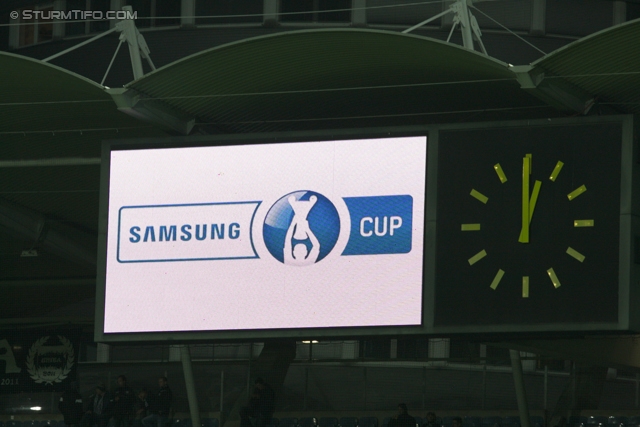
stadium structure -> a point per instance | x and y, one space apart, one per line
224 70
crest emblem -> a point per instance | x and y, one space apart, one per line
50 362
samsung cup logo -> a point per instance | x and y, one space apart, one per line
301 228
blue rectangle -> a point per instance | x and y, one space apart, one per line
380 225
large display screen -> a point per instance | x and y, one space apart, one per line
325 234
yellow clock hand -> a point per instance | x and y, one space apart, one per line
524 233
532 206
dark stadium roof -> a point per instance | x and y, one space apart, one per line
332 78
605 64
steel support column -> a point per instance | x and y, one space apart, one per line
130 34
185 356
538 18
358 13
518 379
221 396
58 27
271 13
188 13
619 12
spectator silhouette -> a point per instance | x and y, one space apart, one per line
70 405
431 420
261 406
402 419
123 401
98 410
142 405
159 405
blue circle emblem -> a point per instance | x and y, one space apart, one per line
301 228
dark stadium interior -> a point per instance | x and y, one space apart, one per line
230 69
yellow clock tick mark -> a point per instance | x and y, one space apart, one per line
478 195
577 255
477 257
525 286
500 172
583 223
470 227
575 193
554 278
496 280
556 171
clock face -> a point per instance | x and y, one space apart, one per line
528 225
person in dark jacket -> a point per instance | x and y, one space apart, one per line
70 406
142 405
431 420
159 405
98 411
261 405
403 419
123 401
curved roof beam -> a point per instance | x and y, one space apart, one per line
298 36
603 67
307 78
37 96
24 79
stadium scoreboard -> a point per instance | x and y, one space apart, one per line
477 228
